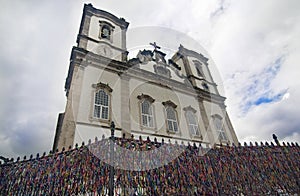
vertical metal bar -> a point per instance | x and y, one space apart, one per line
111 167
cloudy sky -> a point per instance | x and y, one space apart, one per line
255 45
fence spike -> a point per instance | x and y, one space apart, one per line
256 144
288 144
89 142
261 144
82 144
194 146
267 144
38 155
18 159
245 144
24 158
283 143
70 147
251 144
63 149
272 144
76 145
96 139
103 137
44 154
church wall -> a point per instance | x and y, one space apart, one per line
111 49
85 132
93 75
182 100
150 68
215 109
207 76
181 65
94 31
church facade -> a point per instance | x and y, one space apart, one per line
148 95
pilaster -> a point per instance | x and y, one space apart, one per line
125 113
205 118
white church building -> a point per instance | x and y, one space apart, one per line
149 95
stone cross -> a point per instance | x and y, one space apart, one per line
154 45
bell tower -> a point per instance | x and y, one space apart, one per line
102 33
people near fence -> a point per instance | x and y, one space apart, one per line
145 167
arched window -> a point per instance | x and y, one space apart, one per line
147 114
101 105
218 122
192 123
172 124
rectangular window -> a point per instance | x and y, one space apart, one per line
172 124
101 108
147 114
192 123
220 130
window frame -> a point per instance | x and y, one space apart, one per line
221 133
110 27
192 111
108 91
142 98
173 106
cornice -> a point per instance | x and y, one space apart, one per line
186 52
90 10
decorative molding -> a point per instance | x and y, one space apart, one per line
145 56
186 52
90 10
143 96
162 71
217 116
101 85
169 103
189 108
171 62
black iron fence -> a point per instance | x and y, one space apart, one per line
264 169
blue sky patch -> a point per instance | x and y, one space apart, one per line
259 91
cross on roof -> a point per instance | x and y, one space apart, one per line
154 45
